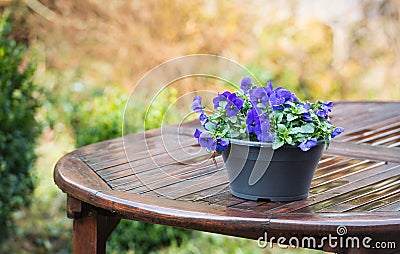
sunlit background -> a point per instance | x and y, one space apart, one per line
90 54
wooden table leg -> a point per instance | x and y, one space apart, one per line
91 227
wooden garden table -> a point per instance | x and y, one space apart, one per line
162 176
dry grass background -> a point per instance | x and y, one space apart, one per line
301 44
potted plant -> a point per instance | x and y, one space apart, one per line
270 140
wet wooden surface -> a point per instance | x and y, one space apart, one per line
163 176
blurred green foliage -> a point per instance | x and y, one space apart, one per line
145 238
99 117
18 128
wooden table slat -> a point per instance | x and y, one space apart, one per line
165 180
393 206
374 203
343 173
355 194
145 156
346 179
140 151
341 168
163 176
332 193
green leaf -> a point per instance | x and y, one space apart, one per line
277 144
291 117
307 128
233 119
216 114
278 117
301 110
282 128
289 140
225 129
295 130
210 126
234 133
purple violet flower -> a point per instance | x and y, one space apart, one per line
234 105
197 133
270 88
252 120
328 105
280 96
307 117
306 106
221 145
323 112
196 105
308 144
259 95
263 132
221 97
283 93
276 102
337 131
246 85
207 141
203 118
266 137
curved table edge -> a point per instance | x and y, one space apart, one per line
74 177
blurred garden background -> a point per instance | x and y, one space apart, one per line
67 69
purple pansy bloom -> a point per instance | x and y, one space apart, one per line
234 105
226 94
220 97
283 93
323 112
262 128
252 120
280 96
221 145
266 136
306 105
337 131
207 141
308 144
196 105
246 85
259 95
307 117
276 101
269 89
263 132
203 118
197 133
328 105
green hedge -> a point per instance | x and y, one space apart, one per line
18 128
99 118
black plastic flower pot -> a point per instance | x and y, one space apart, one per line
256 171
